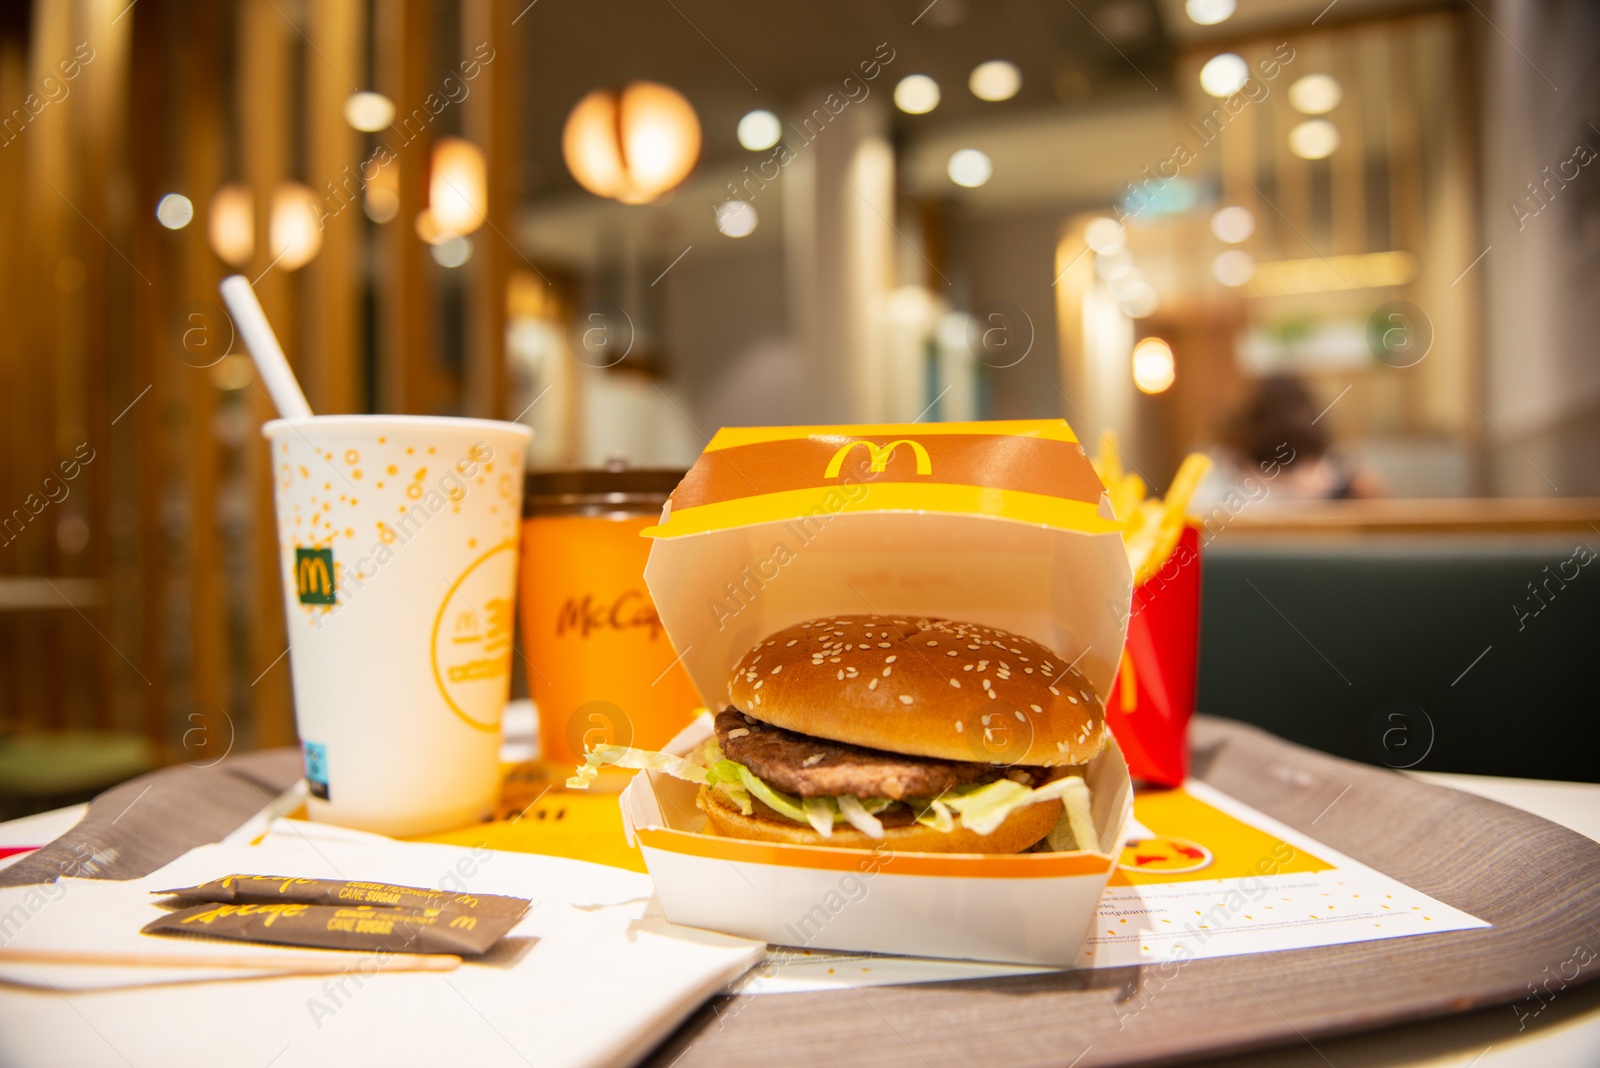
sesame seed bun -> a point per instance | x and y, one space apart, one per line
925 687
1021 829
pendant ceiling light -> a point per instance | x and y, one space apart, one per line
633 145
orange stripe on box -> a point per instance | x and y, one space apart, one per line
825 858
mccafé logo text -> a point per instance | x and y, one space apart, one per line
313 576
878 457
629 610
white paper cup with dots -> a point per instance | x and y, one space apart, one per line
398 539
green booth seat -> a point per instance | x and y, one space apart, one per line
1461 653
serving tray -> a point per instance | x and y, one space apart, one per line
1536 882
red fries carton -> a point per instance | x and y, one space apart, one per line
1150 704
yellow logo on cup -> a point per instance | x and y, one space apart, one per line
472 639
313 576
878 456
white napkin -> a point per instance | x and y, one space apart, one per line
603 979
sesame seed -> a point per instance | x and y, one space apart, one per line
952 652
966 667
933 643
905 699
738 733
986 685
777 669
759 682
840 675
757 660
1020 716
887 672
1036 708
1071 698
959 727
889 659
1058 693
872 684
885 645
1028 670
792 643
813 759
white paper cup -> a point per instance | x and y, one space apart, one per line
398 538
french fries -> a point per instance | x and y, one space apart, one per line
1154 524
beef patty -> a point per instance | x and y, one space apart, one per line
816 767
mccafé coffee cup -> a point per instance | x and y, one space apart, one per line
602 670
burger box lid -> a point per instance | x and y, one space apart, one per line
999 523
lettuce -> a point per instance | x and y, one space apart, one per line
1075 829
937 815
852 809
980 808
622 756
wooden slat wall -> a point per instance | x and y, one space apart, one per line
408 375
99 299
262 108
487 120
199 124
335 68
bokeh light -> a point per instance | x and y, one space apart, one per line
969 167
1105 235
1233 224
175 211
1225 74
1315 94
367 111
995 80
1209 12
1234 267
1154 370
1314 139
759 130
735 218
917 94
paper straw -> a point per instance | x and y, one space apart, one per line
252 325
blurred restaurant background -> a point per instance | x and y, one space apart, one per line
1366 232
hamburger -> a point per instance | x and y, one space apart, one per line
925 734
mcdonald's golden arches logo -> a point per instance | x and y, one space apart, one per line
878 456
313 576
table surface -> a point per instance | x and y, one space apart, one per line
1567 1032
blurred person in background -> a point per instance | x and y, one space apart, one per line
1275 446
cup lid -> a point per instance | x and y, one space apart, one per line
597 490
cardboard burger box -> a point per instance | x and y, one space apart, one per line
997 523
